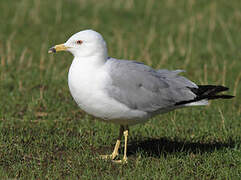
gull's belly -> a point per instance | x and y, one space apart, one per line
88 91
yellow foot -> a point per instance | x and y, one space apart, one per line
114 153
109 156
123 161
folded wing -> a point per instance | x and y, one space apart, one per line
140 87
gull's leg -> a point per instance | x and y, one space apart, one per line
117 145
125 148
125 133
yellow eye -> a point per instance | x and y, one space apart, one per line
79 42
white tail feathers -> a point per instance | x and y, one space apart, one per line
203 102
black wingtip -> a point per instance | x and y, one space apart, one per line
208 92
221 96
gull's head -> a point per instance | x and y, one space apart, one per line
83 44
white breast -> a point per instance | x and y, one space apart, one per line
87 82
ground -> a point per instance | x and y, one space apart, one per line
43 134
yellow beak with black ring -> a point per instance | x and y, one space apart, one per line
60 47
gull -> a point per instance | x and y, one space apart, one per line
126 92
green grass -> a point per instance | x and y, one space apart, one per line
43 134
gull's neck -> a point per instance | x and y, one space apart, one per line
89 62
97 59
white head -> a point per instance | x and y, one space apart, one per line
84 44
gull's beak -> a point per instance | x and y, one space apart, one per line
60 47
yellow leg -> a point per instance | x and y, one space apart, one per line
124 160
115 152
117 145
125 149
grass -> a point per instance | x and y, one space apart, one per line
44 135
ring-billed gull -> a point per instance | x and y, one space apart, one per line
126 92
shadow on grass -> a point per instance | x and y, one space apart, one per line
164 146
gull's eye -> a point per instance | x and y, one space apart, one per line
79 42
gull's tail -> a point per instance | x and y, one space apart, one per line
205 93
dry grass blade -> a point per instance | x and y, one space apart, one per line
190 44
226 32
58 11
236 84
224 72
35 12
22 58
223 120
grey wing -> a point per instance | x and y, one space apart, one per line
140 87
